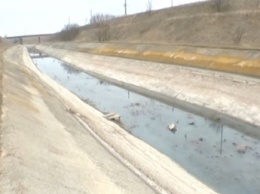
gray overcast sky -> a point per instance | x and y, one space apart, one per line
18 17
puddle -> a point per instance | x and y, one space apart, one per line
221 157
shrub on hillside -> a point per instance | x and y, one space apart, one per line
149 7
221 5
69 32
102 25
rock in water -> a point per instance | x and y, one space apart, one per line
172 127
112 116
242 149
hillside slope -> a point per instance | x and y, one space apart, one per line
236 23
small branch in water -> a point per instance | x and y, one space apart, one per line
221 140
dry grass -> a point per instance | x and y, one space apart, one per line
198 24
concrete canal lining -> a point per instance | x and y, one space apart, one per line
154 165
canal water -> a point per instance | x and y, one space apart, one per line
221 157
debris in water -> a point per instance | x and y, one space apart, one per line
137 104
242 149
112 116
201 139
192 123
257 155
172 127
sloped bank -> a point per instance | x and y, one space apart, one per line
245 61
189 58
218 96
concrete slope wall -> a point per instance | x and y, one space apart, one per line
44 148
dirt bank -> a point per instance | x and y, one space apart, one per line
222 96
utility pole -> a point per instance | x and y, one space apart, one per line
125 5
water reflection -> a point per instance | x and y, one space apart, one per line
36 54
101 82
69 69
219 129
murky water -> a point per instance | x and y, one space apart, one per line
219 156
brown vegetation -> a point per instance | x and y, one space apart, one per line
149 7
101 23
222 5
195 24
186 57
69 32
